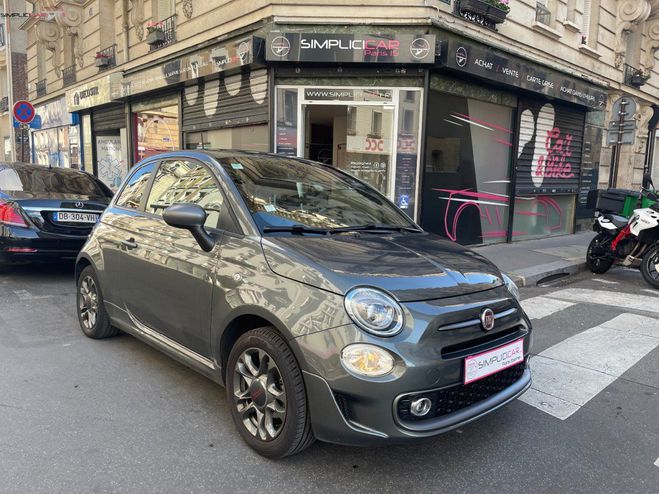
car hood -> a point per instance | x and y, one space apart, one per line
411 267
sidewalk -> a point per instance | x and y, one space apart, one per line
530 261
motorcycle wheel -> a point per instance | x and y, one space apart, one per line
650 267
599 257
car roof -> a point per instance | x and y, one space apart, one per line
18 165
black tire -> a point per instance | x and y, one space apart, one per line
599 257
92 316
268 353
649 266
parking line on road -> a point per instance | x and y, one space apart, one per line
25 295
569 374
608 282
653 292
656 463
539 307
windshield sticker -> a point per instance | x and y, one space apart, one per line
237 166
270 208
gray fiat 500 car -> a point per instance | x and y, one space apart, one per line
321 307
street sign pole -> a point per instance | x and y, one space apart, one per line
615 158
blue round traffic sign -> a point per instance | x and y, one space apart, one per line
24 111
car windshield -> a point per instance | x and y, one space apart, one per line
286 193
42 180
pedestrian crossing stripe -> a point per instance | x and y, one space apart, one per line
569 374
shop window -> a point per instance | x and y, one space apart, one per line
131 195
407 156
286 134
249 138
157 131
408 121
467 174
543 216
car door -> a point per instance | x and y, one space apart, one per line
170 276
115 232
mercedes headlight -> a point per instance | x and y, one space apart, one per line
512 287
374 311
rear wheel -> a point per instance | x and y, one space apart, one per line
266 394
599 257
93 318
650 266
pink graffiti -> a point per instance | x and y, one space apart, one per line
484 203
554 164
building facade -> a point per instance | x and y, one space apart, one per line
13 79
484 125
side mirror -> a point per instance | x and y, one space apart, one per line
190 217
647 181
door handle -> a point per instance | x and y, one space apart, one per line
130 243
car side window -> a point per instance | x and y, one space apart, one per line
132 193
185 181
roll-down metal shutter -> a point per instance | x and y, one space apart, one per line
239 99
549 151
111 118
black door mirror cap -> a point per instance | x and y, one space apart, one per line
190 217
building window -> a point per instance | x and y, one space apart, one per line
106 23
590 23
543 12
163 9
352 121
249 138
571 15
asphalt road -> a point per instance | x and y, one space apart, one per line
78 415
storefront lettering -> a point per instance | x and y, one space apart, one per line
540 81
555 164
372 47
482 63
510 72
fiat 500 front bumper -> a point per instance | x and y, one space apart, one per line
429 364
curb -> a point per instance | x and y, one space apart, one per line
530 276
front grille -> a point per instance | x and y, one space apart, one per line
483 343
450 400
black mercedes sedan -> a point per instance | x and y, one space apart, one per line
47 213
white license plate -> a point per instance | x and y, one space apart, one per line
68 217
487 363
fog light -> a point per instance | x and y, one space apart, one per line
367 360
420 406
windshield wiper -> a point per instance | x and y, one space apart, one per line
298 229
373 227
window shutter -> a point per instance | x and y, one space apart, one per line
587 10
164 9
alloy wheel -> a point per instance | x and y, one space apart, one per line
259 394
88 302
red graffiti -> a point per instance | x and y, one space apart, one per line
555 164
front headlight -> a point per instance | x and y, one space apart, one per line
512 287
374 311
367 360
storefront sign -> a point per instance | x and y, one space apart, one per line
350 48
485 62
54 114
347 94
199 64
95 93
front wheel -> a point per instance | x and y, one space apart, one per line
599 257
266 394
650 266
